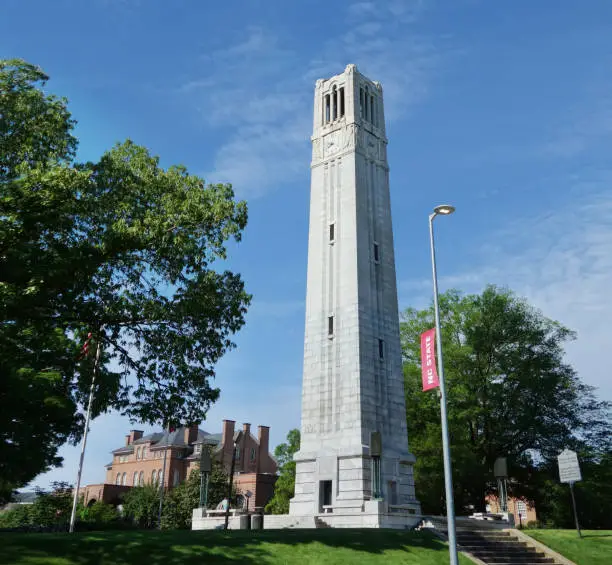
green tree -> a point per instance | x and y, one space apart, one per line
180 502
141 505
120 247
99 514
510 394
284 488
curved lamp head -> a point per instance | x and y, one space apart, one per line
444 210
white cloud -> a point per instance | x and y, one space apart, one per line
257 92
561 261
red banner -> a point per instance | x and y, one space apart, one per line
428 360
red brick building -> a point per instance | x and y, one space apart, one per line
523 511
141 461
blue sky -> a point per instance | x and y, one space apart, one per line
503 109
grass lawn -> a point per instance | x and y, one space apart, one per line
303 547
595 547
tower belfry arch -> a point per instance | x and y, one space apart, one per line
354 465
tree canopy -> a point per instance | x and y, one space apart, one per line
284 488
510 394
122 248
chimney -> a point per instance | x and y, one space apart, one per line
134 435
263 437
191 433
127 439
246 430
227 439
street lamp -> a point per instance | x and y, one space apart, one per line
443 210
237 440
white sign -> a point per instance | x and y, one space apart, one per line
569 468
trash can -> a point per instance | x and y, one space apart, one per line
245 522
257 522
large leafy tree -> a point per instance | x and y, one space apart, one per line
122 248
510 394
284 487
180 502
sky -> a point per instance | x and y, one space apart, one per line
503 109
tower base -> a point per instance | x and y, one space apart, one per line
375 514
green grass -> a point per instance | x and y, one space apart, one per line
303 547
595 547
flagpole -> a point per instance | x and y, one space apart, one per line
161 488
84 442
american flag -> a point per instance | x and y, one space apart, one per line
85 348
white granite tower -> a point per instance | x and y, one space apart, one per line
354 467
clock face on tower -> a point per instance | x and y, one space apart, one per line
331 143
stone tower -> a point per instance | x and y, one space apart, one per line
354 465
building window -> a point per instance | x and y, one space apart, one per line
376 253
237 453
332 232
253 451
372 110
366 100
327 109
118 479
334 104
159 477
141 479
153 477
330 325
361 103
135 479
341 102
144 452
381 349
176 477
138 454
197 448
392 492
124 479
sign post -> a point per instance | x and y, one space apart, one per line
569 472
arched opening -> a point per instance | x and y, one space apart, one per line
91 503
334 103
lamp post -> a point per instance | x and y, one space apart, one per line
231 478
443 210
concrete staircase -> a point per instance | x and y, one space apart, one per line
496 547
492 543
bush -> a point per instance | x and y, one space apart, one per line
180 501
18 517
99 513
141 505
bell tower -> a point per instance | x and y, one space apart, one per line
354 466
